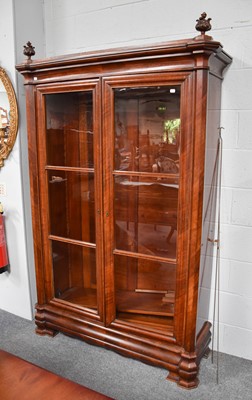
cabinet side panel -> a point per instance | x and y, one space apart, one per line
199 123
34 190
210 200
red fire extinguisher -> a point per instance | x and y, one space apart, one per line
4 260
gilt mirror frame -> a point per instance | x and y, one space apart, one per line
8 133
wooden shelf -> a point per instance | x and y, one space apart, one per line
82 296
164 325
143 303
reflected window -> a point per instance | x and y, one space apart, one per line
147 129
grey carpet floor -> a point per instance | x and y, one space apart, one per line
116 376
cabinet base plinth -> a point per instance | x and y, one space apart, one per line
46 332
172 376
186 376
183 366
186 384
42 329
188 368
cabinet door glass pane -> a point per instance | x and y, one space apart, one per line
146 188
71 205
74 271
146 215
145 291
69 129
147 129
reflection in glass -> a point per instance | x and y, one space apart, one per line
69 129
146 215
4 115
146 185
71 205
144 291
74 270
147 129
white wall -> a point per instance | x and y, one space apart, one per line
17 288
75 26
14 287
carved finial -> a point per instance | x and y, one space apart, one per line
203 25
29 50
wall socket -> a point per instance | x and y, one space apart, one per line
2 189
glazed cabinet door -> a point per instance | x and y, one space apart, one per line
142 175
69 167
